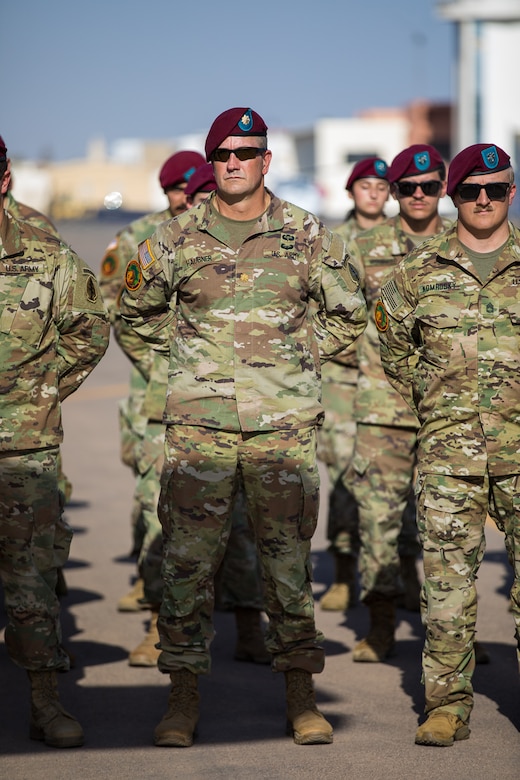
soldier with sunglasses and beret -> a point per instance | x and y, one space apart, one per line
449 325
381 471
247 294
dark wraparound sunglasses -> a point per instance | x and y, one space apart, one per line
494 190
243 153
407 188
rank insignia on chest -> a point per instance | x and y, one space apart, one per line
381 317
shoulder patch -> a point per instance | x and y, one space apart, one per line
86 295
380 316
393 298
133 276
146 256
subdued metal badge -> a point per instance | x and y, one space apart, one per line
381 317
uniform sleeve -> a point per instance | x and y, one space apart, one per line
82 322
341 316
145 304
395 323
111 277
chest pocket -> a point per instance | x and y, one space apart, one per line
439 328
26 312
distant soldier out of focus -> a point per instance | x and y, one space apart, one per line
53 331
382 468
225 290
449 323
368 188
238 586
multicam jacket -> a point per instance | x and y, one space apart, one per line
53 331
28 214
244 342
379 250
450 343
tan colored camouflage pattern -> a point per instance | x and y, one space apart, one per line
34 543
451 347
245 347
26 213
198 486
53 331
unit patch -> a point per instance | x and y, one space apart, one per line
133 276
381 317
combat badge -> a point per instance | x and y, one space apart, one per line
133 276
381 317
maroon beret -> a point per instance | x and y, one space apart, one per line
179 167
234 121
370 167
3 149
474 161
203 180
418 158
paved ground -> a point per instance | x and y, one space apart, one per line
374 708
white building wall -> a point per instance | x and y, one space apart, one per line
337 139
501 84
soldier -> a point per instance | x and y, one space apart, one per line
238 586
449 328
368 187
173 178
54 331
225 290
382 467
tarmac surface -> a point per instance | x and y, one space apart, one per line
375 708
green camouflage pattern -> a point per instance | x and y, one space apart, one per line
198 486
449 344
247 309
34 543
21 211
451 350
53 331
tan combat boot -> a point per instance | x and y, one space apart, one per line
49 721
177 727
146 653
379 644
134 599
250 643
304 721
441 730
341 594
411 599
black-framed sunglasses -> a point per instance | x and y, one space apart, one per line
407 188
243 153
496 190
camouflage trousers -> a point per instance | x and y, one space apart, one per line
451 515
238 580
34 543
203 470
335 450
381 478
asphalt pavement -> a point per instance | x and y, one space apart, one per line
375 708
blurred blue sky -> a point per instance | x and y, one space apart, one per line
78 70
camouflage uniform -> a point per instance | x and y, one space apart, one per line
382 470
26 213
239 581
243 399
450 345
336 436
53 331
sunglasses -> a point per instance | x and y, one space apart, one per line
496 190
243 153
407 188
